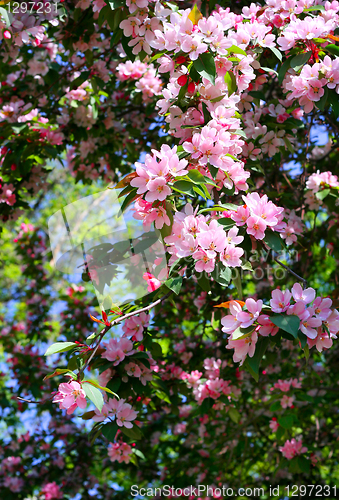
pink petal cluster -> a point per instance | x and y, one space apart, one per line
205 240
117 350
51 491
119 452
292 448
134 326
258 214
120 410
70 396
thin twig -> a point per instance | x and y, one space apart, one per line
292 272
116 321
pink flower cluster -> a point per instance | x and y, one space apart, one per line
217 148
315 183
119 452
70 396
211 385
148 83
259 214
117 350
153 175
51 491
7 193
285 385
294 227
135 325
309 86
318 322
203 239
120 410
292 448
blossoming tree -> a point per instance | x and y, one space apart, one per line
207 120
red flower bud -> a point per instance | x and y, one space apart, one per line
181 60
182 80
191 88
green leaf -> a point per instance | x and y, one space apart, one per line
275 406
206 405
257 94
60 347
203 281
236 50
114 384
229 206
334 102
128 200
222 274
237 283
109 431
133 433
163 396
214 171
332 49
196 177
96 384
230 82
94 395
304 464
174 284
269 70
234 414
8 18
300 60
156 350
205 66
242 333
194 75
289 324
184 187
247 266
61 371
303 339
273 240
88 415
139 454
315 7
207 116
277 53
283 70
321 195
255 361
226 222
200 191
323 100
286 421
240 132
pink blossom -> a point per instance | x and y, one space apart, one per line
152 282
305 296
292 448
52 491
287 401
243 347
120 452
117 349
274 426
280 301
248 318
70 396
